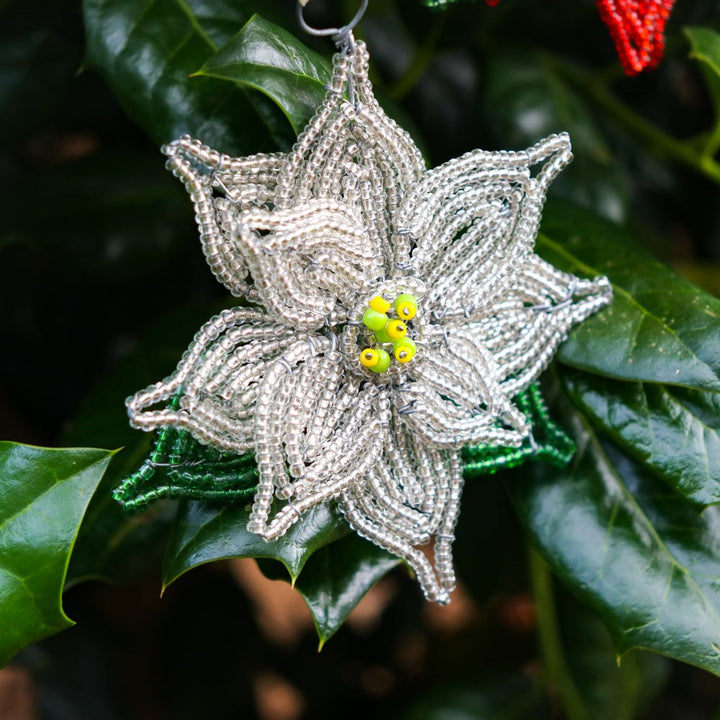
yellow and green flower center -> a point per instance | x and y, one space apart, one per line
388 323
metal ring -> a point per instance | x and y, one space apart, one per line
327 32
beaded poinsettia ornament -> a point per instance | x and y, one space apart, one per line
394 322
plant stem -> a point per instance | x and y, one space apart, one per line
554 661
653 137
712 144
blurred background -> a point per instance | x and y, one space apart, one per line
103 284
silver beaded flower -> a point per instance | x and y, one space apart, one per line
396 313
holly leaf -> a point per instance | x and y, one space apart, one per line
337 577
659 327
674 431
45 493
148 54
644 559
265 57
203 533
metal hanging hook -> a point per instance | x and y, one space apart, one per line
340 35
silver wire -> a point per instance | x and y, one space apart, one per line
339 35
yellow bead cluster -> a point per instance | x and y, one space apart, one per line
389 330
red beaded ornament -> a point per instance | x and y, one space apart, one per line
637 27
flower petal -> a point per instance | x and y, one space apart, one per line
220 188
218 381
307 259
410 496
352 152
317 431
455 398
474 221
524 329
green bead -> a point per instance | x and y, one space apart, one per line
382 336
383 362
405 306
374 320
404 350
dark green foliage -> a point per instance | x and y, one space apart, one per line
101 268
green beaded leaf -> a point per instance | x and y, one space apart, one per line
181 467
547 442
44 494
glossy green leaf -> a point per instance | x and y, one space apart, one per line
674 431
43 497
267 58
646 560
336 578
147 52
203 533
527 99
659 327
